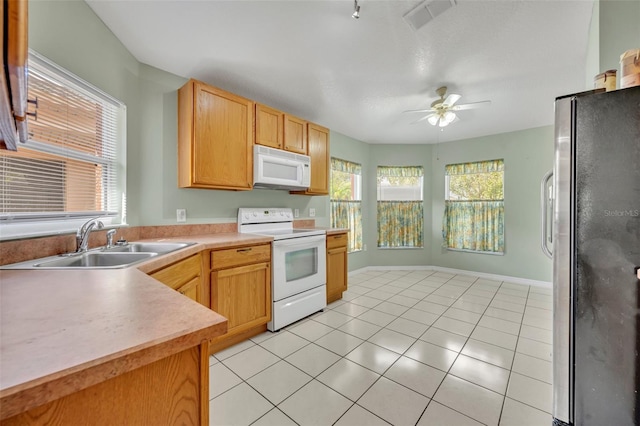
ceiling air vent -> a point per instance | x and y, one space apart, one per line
420 15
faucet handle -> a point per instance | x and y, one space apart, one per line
110 234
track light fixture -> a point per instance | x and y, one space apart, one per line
356 10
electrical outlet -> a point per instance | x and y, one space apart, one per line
312 212
181 215
296 212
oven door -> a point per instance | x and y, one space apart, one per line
299 264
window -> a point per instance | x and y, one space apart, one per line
346 200
73 165
474 207
400 209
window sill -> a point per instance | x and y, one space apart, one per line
20 230
492 253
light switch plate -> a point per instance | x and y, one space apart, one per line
181 215
296 212
312 212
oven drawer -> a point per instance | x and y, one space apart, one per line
221 259
336 240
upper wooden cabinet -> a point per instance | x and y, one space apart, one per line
269 126
318 139
215 138
295 134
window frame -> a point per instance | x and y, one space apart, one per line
355 244
447 198
35 224
409 171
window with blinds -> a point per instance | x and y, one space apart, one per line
73 165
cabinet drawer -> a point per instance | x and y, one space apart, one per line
221 259
336 240
178 274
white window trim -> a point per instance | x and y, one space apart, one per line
31 225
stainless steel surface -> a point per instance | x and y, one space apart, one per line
118 256
110 234
82 236
96 260
562 262
159 248
545 197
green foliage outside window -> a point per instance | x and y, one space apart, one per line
477 186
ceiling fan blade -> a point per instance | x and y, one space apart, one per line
470 106
426 117
451 99
418 110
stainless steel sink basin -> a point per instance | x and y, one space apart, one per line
102 258
149 247
95 260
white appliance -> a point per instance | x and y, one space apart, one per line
278 169
298 263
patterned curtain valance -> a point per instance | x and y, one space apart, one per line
477 167
345 166
400 171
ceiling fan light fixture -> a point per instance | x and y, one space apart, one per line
433 120
356 10
449 117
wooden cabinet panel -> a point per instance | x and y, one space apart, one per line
336 266
185 277
173 390
318 150
215 138
269 126
319 153
191 289
221 259
337 240
242 295
295 134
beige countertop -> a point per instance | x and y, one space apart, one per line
64 330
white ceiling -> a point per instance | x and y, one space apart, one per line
311 59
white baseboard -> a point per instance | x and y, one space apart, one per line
494 277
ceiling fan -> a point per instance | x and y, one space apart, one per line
443 111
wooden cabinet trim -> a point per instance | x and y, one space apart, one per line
269 126
221 259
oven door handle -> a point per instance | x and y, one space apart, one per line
302 241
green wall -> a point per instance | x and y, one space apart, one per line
528 155
69 33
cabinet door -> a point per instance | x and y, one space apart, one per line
269 126
215 138
319 153
191 289
336 273
295 134
243 295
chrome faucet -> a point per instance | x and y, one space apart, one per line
82 236
110 234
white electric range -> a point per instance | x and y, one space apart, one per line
298 263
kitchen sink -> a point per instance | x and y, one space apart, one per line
95 260
102 258
148 247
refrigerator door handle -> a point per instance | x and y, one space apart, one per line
546 199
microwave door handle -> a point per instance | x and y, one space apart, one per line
303 241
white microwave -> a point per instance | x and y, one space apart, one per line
278 169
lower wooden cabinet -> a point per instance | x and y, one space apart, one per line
172 390
241 292
185 277
336 266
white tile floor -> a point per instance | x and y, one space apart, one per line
401 348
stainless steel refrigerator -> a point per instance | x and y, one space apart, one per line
596 246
